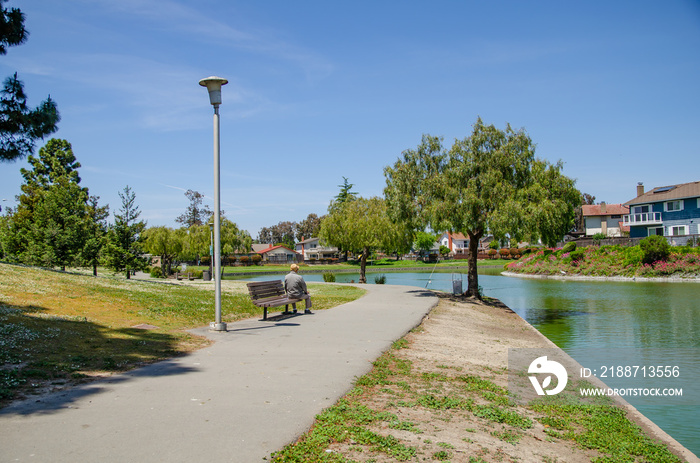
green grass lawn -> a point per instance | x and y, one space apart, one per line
375 266
57 328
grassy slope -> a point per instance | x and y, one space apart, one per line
57 328
609 261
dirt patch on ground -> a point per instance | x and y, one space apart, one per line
463 339
440 394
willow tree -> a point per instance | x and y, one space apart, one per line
362 226
488 182
165 242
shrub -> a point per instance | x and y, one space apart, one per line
515 253
156 272
329 277
505 253
198 274
256 259
577 255
204 260
244 260
655 248
598 237
569 247
380 279
492 253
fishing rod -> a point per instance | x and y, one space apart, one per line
431 274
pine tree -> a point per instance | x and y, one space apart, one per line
20 126
53 219
124 249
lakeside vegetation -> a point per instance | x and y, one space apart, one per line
651 258
59 329
382 265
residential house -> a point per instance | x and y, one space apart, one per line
604 218
457 243
670 211
276 254
312 249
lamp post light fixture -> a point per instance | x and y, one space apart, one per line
213 85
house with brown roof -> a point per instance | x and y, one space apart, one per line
456 242
672 210
277 254
604 218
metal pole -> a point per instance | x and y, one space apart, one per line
218 325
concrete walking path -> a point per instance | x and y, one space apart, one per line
256 389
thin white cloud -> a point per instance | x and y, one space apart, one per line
177 16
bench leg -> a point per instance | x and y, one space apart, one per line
286 309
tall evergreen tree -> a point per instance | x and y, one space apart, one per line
196 213
51 223
345 192
20 126
124 249
96 235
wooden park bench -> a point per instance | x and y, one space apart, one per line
268 294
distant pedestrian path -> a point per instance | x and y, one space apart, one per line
256 389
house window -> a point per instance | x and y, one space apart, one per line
672 206
641 209
615 216
655 231
678 230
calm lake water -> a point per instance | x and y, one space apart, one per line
618 323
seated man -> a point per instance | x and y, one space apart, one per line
295 286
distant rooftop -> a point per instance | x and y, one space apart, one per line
610 209
667 193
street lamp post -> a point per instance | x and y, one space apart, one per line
213 85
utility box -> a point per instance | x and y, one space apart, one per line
206 275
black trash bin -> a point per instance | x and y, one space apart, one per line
206 275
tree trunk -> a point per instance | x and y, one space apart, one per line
94 270
363 265
472 274
128 274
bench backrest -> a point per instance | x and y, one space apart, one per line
265 289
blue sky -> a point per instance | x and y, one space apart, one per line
320 90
